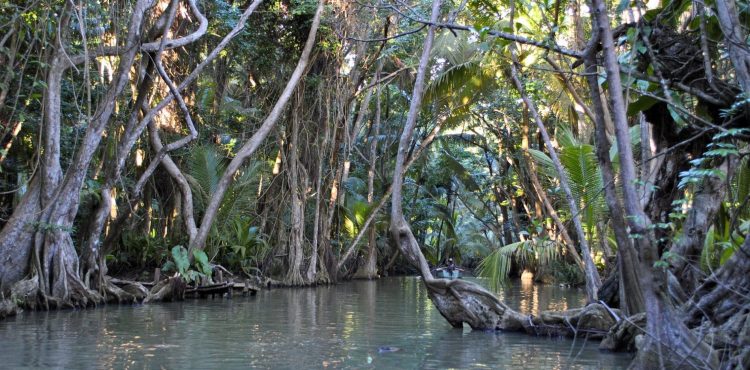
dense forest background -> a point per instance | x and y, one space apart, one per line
595 144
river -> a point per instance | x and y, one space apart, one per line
340 326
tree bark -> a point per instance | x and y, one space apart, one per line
297 189
735 36
313 274
593 281
252 145
369 270
629 289
669 343
707 200
54 275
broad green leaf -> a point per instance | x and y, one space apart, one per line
180 257
640 105
201 259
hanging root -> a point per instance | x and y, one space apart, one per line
172 289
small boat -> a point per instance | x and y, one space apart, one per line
445 274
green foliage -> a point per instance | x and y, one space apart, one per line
180 263
207 166
180 258
533 254
703 167
461 78
201 262
722 241
583 172
248 247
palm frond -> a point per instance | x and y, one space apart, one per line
460 172
496 266
635 140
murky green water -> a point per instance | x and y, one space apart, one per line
341 326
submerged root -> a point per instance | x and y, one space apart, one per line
172 289
463 302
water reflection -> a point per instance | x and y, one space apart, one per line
328 327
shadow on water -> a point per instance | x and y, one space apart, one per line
342 326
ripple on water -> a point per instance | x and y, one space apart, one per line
343 326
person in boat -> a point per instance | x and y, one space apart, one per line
451 266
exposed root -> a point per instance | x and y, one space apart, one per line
7 308
322 279
294 278
593 321
720 310
134 288
123 291
621 338
79 295
670 344
29 295
172 289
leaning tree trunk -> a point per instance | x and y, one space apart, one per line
457 300
593 281
460 301
249 148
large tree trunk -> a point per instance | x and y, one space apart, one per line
313 274
707 200
669 343
629 289
297 188
54 274
735 35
